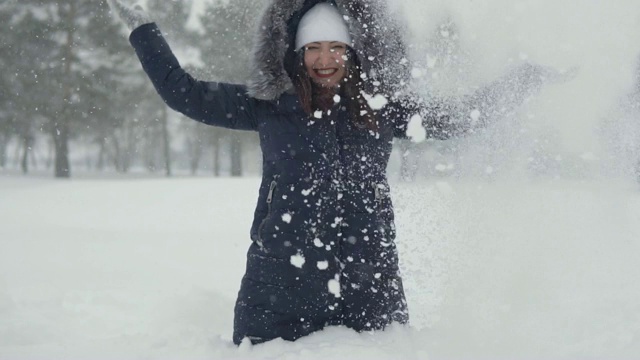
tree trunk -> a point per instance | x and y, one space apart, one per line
194 147
50 154
117 154
165 139
194 164
27 141
195 154
4 141
236 155
101 154
216 152
408 167
61 146
61 126
130 149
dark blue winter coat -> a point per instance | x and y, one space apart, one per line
323 250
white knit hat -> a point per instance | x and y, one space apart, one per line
323 22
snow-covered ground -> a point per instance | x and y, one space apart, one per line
149 269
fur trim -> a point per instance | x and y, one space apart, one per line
376 36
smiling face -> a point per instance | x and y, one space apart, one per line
325 62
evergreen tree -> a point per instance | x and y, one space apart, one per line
7 104
229 30
172 17
69 53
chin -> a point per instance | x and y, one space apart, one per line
327 84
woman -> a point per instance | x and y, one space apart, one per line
326 98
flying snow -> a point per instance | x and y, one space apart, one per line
286 218
376 102
297 260
334 286
475 116
415 130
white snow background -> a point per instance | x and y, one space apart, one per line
497 264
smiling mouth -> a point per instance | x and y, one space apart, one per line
325 73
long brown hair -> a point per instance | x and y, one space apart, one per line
315 97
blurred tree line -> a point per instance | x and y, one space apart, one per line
72 88
73 94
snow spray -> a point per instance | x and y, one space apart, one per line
528 248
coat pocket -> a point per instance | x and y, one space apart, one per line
269 200
380 194
383 210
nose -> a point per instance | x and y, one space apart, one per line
326 58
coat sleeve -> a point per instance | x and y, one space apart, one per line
411 117
446 118
211 103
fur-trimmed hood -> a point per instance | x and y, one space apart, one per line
377 41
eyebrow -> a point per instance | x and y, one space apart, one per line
319 43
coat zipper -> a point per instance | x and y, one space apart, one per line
272 189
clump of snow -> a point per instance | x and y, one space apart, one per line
415 130
475 116
445 188
444 167
376 102
287 218
334 286
416 73
297 260
323 265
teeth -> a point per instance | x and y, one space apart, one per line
326 72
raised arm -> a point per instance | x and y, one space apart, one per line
441 119
505 95
414 118
211 103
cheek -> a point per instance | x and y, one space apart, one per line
308 62
342 63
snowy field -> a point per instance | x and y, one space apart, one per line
149 269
